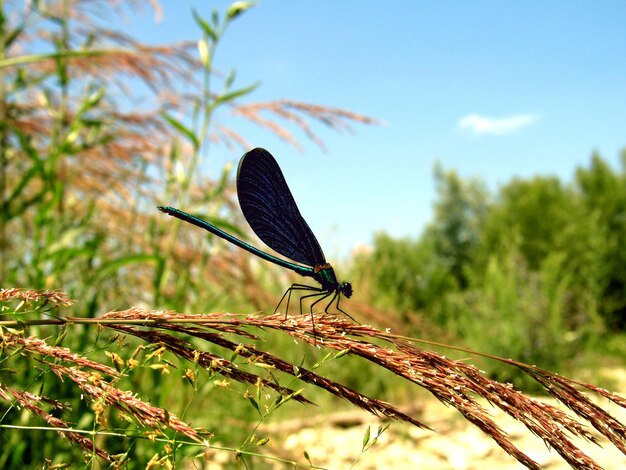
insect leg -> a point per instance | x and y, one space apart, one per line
288 295
338 297
322 295
318 293
288 291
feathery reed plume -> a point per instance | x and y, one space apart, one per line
296 112
54 297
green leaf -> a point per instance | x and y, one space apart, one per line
342 353
61 70
234 94
230 79
92 100
13 35
254 404
217 191
62 255
279 400
206 27
379 432
59 339
71 138
113 265
180 127
366 437
35 170
67 240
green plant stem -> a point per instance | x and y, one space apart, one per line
206 110
3 152
100 321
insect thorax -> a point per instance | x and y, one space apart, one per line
325 275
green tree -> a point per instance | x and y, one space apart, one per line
413 275
547 218
519 276
536 211
512 311
603 193
405 275
459 213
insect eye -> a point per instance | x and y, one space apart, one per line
346 289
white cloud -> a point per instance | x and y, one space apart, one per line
480 125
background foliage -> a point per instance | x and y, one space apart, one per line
534 271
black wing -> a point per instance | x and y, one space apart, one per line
271 211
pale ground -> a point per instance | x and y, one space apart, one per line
457 444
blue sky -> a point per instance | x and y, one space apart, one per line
491 89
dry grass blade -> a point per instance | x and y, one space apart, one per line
369 404
93 385
225 323
30 402
439 375
145 414
562 389
207 360
230 370
543 420
40 347
614 397
455 383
